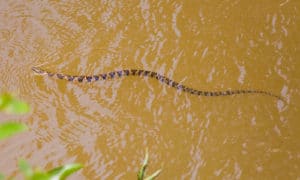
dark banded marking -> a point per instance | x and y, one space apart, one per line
133 71
140 72
174 84
200 93
112 74
216 93
89 78
151 74
228 92
70 78
96 77
126 72
167 81
120 73
146 73
80 78
103 76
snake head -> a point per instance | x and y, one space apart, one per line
38 70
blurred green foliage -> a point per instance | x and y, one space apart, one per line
12 105
8 129
1 177
57 173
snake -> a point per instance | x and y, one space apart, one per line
151 74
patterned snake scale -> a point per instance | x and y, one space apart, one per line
151 74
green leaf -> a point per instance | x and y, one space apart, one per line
154 175
2 176
10 104
59 173
141 172
25 168
10 128
64 171
39 175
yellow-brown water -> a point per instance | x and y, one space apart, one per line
107 125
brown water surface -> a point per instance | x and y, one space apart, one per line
107 125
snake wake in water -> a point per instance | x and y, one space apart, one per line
151 74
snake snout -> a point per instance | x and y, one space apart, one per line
37 70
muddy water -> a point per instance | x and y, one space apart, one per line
107 125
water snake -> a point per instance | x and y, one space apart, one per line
151 74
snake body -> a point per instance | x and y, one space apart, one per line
151 74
